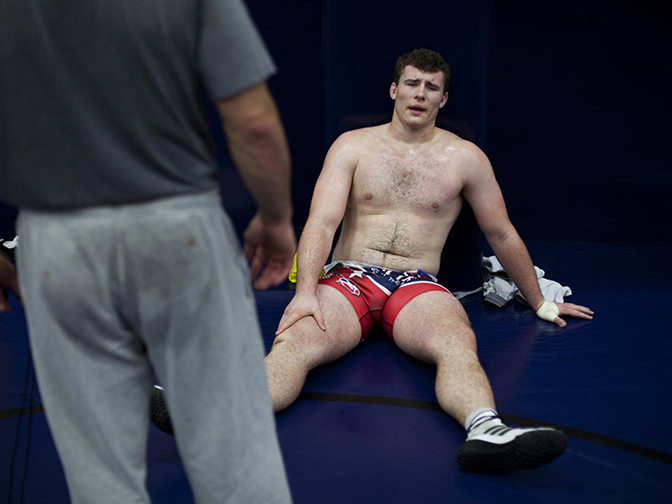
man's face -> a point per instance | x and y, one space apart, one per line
418 96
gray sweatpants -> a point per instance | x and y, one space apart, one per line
114 293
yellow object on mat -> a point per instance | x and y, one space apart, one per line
292 272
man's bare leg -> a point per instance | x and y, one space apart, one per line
304 346
434 328
295 352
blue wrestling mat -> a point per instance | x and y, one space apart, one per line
367 429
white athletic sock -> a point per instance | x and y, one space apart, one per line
479 417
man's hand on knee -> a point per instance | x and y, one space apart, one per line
301 306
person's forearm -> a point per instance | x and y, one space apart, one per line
261 155
258 147
516 261
314 248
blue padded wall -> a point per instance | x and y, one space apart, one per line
579 117
364 39
292 31
294 35
7 218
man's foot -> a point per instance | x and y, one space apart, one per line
500 447
158 413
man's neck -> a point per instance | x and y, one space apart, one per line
402 133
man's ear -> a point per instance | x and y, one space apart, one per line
393 91
444 99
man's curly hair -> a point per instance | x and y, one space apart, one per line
425 60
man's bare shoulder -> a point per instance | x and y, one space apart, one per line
357 142
362 135
468 152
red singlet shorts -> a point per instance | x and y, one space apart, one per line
377 294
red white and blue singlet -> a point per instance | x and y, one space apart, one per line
377 294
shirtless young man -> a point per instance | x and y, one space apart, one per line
397 188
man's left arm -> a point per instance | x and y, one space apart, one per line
482 192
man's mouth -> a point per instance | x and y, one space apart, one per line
417 108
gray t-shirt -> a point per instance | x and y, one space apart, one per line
100 101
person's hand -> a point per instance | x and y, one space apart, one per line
8 280
301 306
269 248
553 312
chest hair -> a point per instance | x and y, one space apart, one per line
405 179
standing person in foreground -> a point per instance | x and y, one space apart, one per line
127 263
397 188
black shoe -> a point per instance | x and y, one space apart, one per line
500 448
158 413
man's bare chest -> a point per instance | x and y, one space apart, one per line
406 180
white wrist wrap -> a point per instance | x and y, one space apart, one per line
548 311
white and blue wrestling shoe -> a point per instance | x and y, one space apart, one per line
498 447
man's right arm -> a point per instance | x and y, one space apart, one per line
330 199
258 147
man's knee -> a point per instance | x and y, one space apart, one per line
298 334
298 343
283 343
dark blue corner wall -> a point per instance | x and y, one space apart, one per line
579 113
362 41
293 33
570 100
